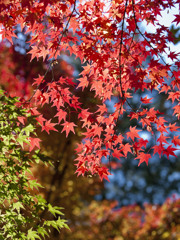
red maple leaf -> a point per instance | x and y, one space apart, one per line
158 149
146 100
39 80
143 157
177 19
162 139
170 151
21 119
81 170
40 119
126 148
103 173
34 52
176 140
79 147
174 96
61 115
133 133
34 142
49 126
117 154
102 109
173 127
67 127
97 130
173 55
83 82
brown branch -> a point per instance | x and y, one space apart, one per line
120 75
57 175
120 52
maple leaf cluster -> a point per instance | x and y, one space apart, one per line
114 50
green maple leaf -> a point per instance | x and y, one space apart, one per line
32 235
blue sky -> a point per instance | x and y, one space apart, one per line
166 19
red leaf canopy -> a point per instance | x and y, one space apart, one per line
107 38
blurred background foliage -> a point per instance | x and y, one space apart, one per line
89 205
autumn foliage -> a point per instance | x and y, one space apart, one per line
119 59
129 223
109 40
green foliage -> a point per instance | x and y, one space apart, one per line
21 208
175 33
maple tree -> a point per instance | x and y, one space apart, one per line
104 37
119 59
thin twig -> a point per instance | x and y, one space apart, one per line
120 76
